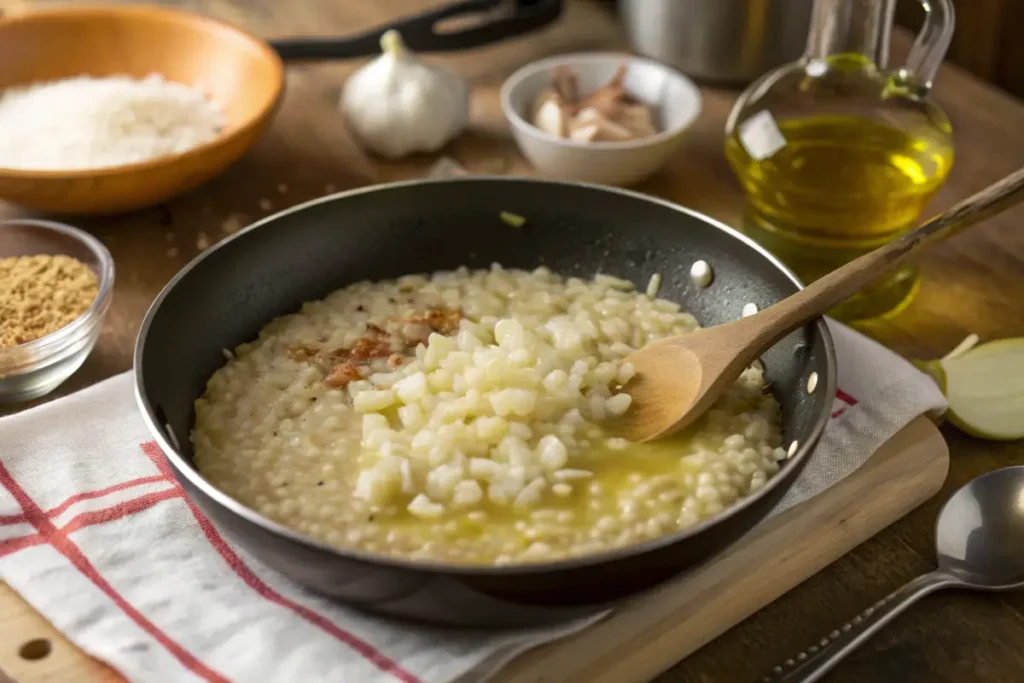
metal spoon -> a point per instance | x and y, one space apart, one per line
979 545
678 378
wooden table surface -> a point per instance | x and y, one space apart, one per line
972 284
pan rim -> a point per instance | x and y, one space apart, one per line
184 467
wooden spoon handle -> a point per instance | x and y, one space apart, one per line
814 300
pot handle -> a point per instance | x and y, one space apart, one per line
491 21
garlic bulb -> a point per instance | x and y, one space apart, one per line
398 105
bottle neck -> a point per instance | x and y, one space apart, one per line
861 27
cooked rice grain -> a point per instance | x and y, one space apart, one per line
489 444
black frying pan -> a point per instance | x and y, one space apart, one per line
477 23
227 294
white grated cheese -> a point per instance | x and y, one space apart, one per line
83 122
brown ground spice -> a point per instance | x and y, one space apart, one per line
41 294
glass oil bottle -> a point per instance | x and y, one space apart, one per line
838 154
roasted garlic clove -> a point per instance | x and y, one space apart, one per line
549 113
606 115
637 118
564 82
590 125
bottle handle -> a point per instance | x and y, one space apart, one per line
930 46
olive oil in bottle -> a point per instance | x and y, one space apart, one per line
836 187
842 179
839 152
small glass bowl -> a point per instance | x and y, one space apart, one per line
36 368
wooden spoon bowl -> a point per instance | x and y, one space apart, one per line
678 378
238 71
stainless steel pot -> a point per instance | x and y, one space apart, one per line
723 41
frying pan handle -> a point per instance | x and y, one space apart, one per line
496 20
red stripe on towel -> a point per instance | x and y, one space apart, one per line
13 545
66 547
845 397
7 520
237 565
50 514
119 511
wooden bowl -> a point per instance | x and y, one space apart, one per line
238 71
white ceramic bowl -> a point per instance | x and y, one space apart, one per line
674 98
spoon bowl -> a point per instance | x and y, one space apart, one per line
980 532
672 388
662 398
979 545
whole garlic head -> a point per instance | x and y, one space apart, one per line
398 105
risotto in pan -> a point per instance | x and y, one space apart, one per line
465 417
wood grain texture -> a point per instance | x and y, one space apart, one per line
19 623
652 633
971 284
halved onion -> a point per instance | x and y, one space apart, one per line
984 386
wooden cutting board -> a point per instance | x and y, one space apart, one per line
650 634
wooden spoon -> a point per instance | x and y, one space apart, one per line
680 377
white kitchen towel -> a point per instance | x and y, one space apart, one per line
97 536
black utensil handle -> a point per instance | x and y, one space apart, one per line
499 20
